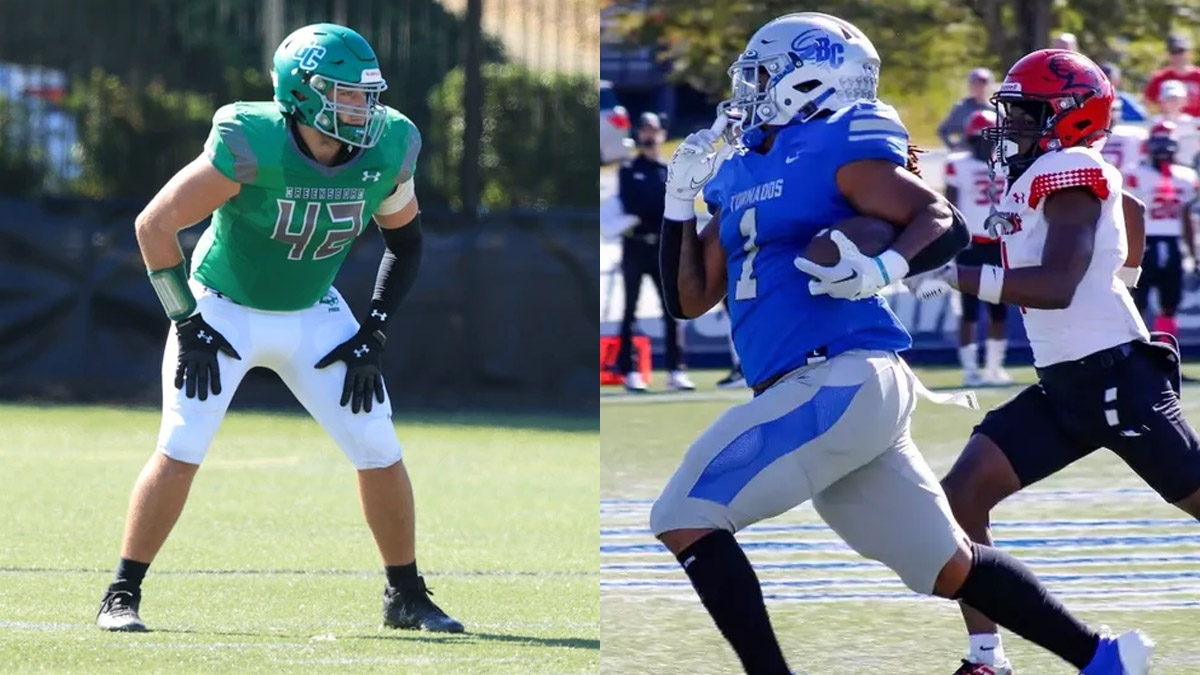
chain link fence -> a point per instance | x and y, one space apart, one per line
106 99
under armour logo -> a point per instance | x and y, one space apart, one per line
368 175
1019 197
382 316
204 336
359 352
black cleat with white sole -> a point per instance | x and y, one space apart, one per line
119 611
410 607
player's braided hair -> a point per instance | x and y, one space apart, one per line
913 164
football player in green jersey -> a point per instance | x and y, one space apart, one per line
289 184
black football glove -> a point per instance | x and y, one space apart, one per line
363 356
198 347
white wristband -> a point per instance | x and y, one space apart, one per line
892 265
1129 276
991 283
678 209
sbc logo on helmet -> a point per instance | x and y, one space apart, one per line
309 55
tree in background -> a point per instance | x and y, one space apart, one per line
926 46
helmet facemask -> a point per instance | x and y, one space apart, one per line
756 84
367 119
1022 125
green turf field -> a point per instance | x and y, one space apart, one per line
1095 533
272 568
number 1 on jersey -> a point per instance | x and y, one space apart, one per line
747 284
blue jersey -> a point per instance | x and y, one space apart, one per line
771 205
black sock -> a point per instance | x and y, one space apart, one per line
130 574
401 576
729 589
1008 593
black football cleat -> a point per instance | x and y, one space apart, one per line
411 608
119 611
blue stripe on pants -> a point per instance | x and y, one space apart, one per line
756 448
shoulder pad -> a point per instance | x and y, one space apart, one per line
1185 173
228 146
406 139
1072 167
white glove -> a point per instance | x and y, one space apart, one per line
934 283
692 166
855 276
1189 264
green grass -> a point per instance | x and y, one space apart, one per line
834 620
271 567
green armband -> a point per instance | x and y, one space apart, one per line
171 285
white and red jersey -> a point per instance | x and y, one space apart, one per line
1166 196
1187 135
1123 147
976 191
1101 313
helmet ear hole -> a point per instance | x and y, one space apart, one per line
299 95
807 86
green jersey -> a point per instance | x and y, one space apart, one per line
278 244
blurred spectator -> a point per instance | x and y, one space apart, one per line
1065 41
1172 101
1179 67
642 188
951 129
1123 147
1131 109
1173 96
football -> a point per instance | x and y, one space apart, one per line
872 236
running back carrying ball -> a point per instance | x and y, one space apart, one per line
872 236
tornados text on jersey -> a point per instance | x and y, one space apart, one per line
1101 313
278 244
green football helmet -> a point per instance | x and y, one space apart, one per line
317 71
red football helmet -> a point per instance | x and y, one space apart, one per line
978 121
1054 97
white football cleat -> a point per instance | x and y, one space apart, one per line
634 382
679 381
1135 648
998 377
973 378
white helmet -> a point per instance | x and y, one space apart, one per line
799 65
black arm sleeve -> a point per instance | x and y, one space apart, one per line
944 248
669 244
397 273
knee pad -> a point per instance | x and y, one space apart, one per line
374 444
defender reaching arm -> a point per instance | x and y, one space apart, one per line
1071 216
